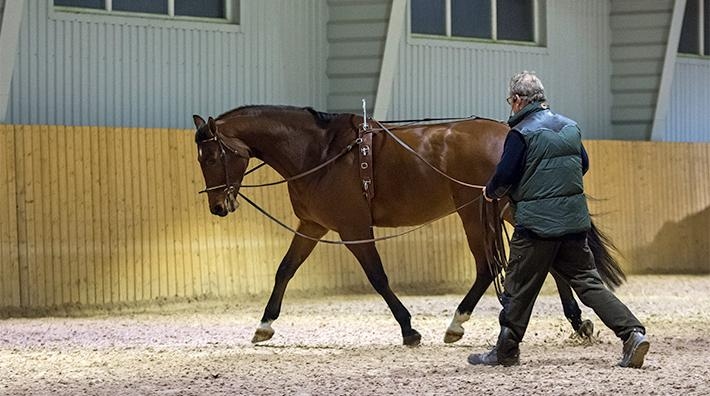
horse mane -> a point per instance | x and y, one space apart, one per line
323 119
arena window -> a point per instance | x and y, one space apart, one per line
490 20
695 33
211 10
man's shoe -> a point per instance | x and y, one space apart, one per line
505 353
487 358
635 349
491 359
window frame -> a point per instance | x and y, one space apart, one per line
538 20
702 45
231 22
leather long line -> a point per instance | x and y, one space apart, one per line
490 254
355 242
416 154
342 152
493 245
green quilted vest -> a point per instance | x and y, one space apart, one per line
549 199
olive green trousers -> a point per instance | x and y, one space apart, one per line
529 263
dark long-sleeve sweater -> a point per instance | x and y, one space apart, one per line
510 169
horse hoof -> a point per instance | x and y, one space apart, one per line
452 336
586 330
413 339
262 334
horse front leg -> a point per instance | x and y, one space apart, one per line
584 328
297 253
368 257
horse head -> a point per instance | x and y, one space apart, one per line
223 162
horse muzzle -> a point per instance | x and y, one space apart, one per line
223 209
228 205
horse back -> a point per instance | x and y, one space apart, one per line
409 191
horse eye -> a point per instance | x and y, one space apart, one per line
210 160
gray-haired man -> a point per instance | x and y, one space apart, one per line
541 172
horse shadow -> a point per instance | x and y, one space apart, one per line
678 247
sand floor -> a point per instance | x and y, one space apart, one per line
351 345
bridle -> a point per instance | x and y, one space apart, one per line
226 186
231 186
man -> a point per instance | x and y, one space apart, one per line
541 172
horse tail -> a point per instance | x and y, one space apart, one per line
607 265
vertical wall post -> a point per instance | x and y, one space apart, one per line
395 30
658 130
9 35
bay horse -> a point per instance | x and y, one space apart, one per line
408 191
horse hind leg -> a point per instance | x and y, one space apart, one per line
369 259
455 331
470 218
297 253
583 328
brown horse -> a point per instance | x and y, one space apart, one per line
407 190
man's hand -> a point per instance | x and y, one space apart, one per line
486 196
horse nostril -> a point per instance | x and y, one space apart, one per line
219 210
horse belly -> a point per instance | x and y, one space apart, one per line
409 207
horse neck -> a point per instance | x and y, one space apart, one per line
289 148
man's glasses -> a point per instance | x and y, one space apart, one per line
510 99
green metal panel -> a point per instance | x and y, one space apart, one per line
356 37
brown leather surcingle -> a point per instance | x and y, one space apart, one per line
365 160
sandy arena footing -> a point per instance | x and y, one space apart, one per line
351 345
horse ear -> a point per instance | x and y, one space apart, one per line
199 121
212 125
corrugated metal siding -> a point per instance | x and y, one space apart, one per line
356 38
440 78
97 70
687 114
659 229
639 36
